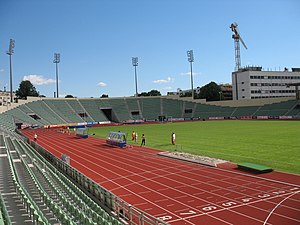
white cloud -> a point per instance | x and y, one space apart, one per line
189 74
39 80
102 84
168 80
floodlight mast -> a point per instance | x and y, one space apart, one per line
56 61
10 52
190 56
135 64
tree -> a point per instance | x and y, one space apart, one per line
211 92
150 93
26 88
104 96
69 96
154 93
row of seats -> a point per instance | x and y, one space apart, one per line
77 204
35 214
66 203
150 108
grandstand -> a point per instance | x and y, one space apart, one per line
65 111
53 192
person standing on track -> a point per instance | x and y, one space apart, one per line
143 140
35 137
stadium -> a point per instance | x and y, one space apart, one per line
142 118
71 174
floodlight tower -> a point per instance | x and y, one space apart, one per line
237 38
10 52
190 56
56 61
135 64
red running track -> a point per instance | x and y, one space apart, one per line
180 192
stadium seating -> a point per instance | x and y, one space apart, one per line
79 109
150 108
65 111
173 108
93 108
62 108
7 122
47 195
19 116
188 109
133 105
207 111
120 109
275 109
45 112
244 111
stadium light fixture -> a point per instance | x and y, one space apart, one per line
190 56
135 64
56 61
10 52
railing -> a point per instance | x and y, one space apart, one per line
4 217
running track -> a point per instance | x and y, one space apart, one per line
180 192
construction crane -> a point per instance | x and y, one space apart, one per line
237 38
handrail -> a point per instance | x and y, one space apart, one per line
4 217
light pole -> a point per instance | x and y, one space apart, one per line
10 52
56 61
190 56
135 64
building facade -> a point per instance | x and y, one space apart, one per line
5 98
253 83
226 90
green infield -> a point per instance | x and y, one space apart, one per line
275 144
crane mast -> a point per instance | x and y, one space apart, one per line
237 38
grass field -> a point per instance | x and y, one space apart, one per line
271 143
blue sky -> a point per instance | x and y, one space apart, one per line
97 39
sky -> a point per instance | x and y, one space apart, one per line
97 39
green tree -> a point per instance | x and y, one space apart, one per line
150 93
154 93
143 94
69 96
211 92
26 88
104 96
